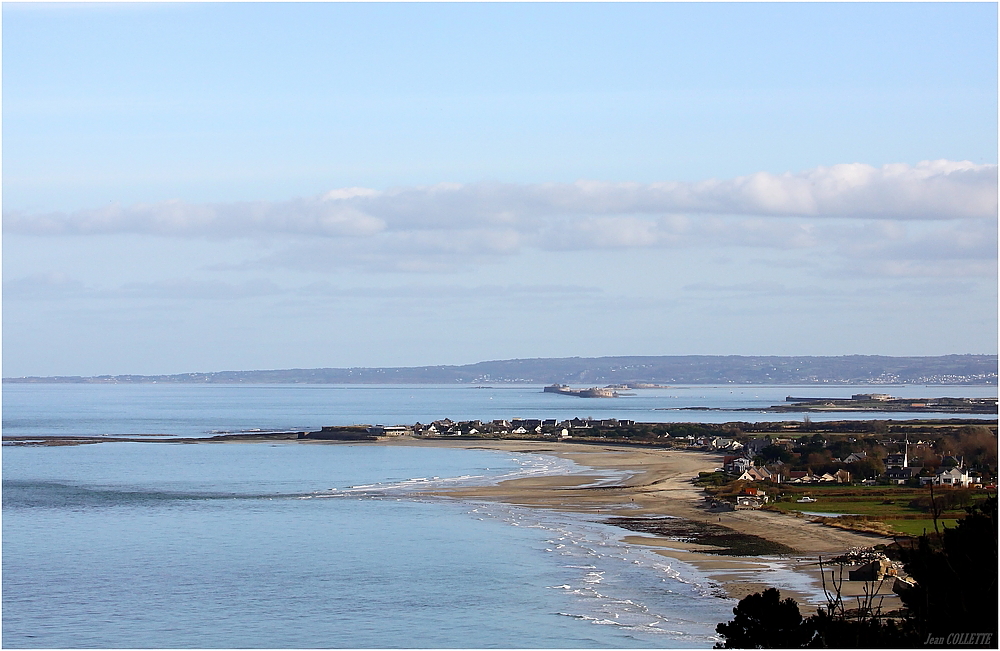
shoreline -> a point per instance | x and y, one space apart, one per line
629 482
643 484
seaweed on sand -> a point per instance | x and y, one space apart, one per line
728 542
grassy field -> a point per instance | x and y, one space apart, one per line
888 504
918 527
857 506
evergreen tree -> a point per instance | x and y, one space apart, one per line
764 621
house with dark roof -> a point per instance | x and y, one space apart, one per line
901 475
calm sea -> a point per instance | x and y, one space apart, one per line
171 545
196 410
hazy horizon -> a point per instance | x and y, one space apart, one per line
854 370
322 185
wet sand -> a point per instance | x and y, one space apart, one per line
634 482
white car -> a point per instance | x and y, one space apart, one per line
805 500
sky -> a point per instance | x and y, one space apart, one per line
192 187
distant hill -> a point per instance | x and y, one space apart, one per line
682 369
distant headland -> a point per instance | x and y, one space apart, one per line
632 372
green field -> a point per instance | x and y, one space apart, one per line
918 527
888 504
873 506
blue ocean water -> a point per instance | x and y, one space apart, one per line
246 545
285 545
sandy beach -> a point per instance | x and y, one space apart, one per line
633 486
634 482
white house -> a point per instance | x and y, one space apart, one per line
951 477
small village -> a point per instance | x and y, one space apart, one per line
870 476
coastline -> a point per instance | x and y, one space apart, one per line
623 485
628 482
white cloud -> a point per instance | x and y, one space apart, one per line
897 217
928 190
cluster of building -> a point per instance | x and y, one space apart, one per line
951 472
726 444
719 443
900 468
746 469
743 457
513 427
749 497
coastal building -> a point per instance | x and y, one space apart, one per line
807 477
751 497
896 460
748 502
389 430
736 465
757 474
948 477
899 475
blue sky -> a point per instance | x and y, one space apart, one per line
197 187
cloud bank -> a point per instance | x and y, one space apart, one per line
936 218
560 214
